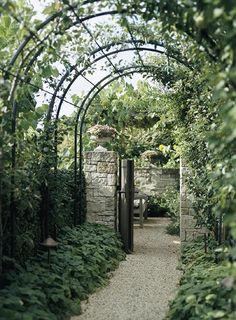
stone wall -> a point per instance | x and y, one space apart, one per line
100 168
154 181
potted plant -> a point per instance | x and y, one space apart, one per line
153 156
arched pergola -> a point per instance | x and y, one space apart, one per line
23 62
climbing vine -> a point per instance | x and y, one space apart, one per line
193 109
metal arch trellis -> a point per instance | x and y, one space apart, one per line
79 20
32 35
40 50
78 73
101 57
54 95
46 22
84 106
85 68
62 99
50 19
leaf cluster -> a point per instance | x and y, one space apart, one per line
78 266
207 289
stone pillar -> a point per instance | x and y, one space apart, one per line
100 169
187 221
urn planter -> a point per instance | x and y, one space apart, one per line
101 134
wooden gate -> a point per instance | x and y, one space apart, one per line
126 203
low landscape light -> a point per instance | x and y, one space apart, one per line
49 243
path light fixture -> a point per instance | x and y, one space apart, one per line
49 243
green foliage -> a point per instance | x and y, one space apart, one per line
170 200
155 206
29 201
35 183
78 266
207 290
195 110
174 226
168 204
140 116
61 188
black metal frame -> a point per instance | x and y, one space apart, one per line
34 53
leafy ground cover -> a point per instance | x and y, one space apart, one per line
207 289
80 264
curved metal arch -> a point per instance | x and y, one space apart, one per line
40 50
54 16
50 19
83 70
28 38
94 61
137 41
125 73
80 20
41 26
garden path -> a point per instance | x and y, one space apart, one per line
144 283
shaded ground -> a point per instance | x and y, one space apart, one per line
143 284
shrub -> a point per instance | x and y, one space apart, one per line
167 205
207 289
155 206
79 265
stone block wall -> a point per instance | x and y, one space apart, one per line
100 168
154 181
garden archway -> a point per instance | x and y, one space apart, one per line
38 43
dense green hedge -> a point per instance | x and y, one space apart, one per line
80 264
207 289
30 209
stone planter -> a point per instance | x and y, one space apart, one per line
100 142
101 134
153 157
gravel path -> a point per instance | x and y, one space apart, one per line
143 284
